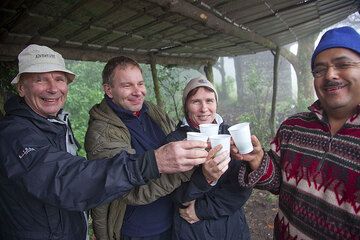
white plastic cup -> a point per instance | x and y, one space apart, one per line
210 129
242 137
196 136
223 139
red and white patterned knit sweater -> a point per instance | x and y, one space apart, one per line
316 175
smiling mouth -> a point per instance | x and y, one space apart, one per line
334 88
50 100
204 116
136 101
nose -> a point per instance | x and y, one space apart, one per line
52 86
331 73
136 90
204 107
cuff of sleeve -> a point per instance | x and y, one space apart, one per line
201 210
200 181
249 179
149 168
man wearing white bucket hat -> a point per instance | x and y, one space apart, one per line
39 59
44 186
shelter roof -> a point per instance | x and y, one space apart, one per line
172 31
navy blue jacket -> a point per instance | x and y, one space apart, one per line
44 189
219 207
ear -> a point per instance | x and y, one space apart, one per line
107 90
20 88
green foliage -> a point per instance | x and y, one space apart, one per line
229 89
257 109
303 104
172 85
7 72
172 82
84 92
284 110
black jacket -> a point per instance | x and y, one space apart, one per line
219 207
44 189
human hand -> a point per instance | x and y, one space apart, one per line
180 156
253 158
189 213
214 167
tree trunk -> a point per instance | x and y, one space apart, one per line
222 90
301 63
239 80
209 72
275 84
156 84
303 71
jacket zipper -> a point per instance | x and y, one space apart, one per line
324 155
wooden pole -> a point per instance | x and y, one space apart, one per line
156 82
209 72
275 84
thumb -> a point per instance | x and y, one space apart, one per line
213 151
255 141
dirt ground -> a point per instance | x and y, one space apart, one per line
260 212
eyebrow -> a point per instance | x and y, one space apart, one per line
337 59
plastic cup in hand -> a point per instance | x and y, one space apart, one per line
223 139
196 136
242 137
210 129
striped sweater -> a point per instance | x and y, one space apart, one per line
316 175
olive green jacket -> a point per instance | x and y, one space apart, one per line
106 136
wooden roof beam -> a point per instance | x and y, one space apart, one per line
11 51
57 21
88 24
209 19
22 12
113 27
280 11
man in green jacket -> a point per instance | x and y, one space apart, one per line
125 121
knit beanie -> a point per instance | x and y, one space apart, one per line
195 83
343 37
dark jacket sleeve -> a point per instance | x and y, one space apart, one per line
226 197
191 190
70 182
223 199
197 185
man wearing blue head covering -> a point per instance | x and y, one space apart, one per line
314 161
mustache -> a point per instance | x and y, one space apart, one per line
332 84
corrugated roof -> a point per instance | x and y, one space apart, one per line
172 31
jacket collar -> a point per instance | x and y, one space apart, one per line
317 109
184 122
125 114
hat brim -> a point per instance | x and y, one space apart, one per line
43 68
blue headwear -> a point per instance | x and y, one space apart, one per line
343 37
